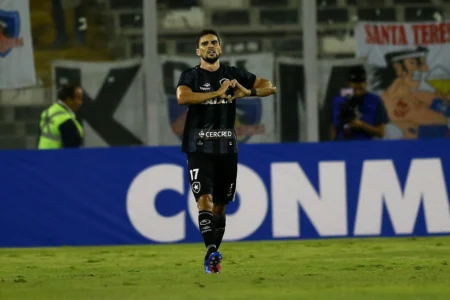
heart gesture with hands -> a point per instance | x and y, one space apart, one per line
240 91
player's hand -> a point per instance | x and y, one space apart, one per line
236 86
239 90
223 89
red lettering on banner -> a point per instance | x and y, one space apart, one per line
385 34
428 34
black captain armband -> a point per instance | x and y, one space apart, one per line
253 92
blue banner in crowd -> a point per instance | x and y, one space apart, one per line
142 195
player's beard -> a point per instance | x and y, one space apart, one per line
209 59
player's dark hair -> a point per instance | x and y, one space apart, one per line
206 32
67 92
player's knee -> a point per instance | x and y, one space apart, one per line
205 203
219 209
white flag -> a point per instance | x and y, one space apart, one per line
16 47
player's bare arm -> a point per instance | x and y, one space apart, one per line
264 87
186 96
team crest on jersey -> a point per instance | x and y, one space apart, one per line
248 118
196 187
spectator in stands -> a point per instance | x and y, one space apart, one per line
58 7
358 114
59 127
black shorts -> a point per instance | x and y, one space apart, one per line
214 175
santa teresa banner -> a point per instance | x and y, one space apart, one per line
16 47
409 67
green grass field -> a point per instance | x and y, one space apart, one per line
407 268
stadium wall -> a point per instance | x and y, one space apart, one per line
140 195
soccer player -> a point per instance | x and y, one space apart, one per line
209 139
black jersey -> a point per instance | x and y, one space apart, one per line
209 127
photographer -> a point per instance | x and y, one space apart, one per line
358 114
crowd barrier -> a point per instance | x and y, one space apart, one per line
141 195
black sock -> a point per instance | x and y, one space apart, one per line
207 229
219 224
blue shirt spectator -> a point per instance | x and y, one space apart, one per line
366 111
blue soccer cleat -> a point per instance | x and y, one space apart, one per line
212 264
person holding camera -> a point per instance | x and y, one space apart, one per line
358 114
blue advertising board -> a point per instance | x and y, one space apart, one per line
141 195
